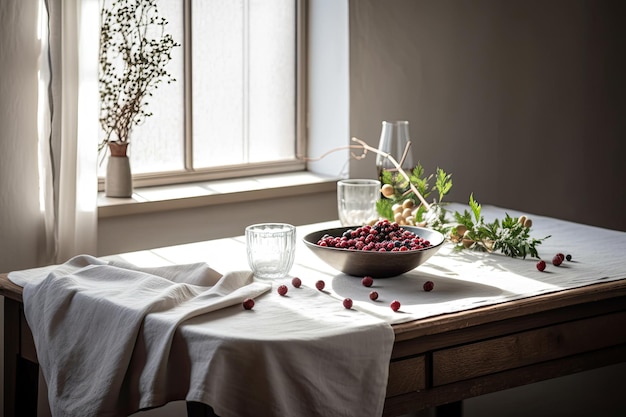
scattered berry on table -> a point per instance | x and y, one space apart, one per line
367 281
560 255
541 265
373 296
428 286
320 285
568 257
347 303
296 282
557 260
248 303
282 289
395 305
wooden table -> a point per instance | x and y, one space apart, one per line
444 358
435 361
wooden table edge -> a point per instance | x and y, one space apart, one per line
509 309
8 289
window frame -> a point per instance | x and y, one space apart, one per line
190 174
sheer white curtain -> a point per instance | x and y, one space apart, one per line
69 125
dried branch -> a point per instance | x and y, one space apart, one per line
134 51
364 147
395 163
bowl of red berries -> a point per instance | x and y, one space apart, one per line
382 250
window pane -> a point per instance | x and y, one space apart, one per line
217 82
158 144
243 81
272 80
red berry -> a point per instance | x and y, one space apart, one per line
367 281
347 303
541 265
373 296
557 260
383 236
320 285
395 305
428 286
282 289
560 255
296 282
248 303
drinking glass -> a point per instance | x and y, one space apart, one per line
394 138
271 249
356 201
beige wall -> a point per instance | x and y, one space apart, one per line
153 230
522 101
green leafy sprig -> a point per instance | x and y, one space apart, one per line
511 236
398 191
468 229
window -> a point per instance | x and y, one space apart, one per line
234 109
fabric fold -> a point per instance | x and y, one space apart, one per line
87 315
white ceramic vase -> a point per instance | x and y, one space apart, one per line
118 181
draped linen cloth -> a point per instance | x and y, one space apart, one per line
113 338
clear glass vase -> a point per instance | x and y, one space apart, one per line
394 138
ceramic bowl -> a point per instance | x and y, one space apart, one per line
375 264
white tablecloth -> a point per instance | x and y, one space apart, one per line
469 279
463 280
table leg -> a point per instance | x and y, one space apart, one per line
196 409
11 351
21 377
454 409
27 387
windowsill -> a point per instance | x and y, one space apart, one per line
208 193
